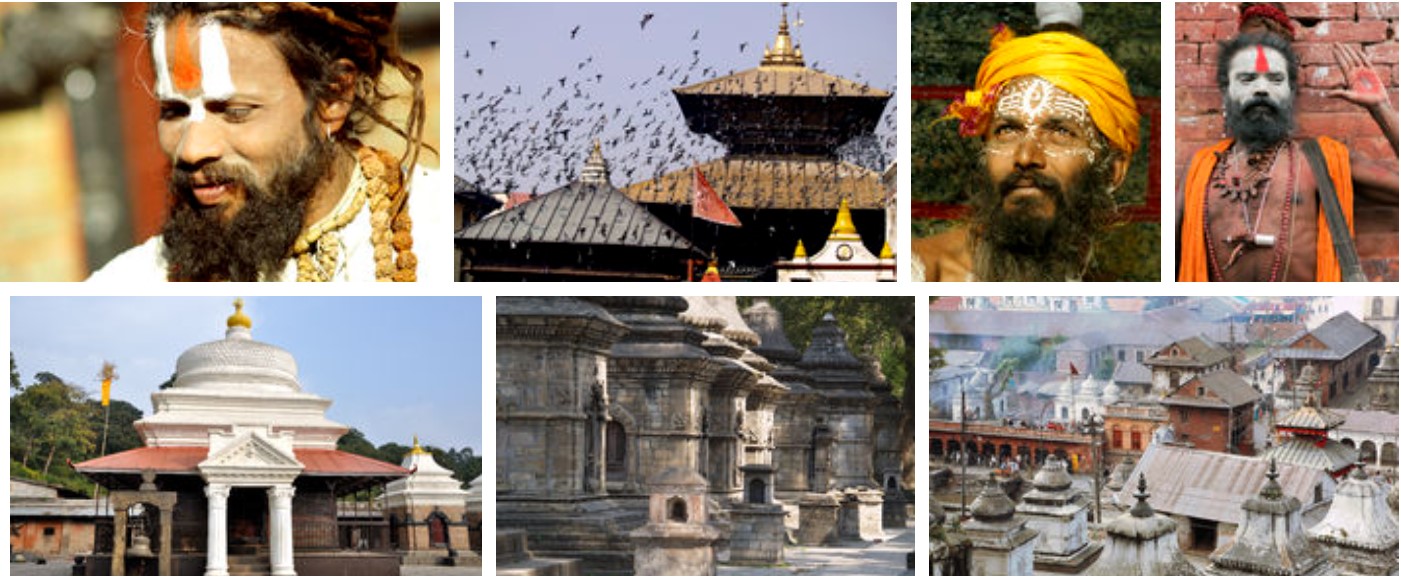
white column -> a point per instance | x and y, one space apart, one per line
217 550
280 537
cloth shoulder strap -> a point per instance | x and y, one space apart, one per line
1336 254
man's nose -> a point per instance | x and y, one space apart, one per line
1029 153
202 141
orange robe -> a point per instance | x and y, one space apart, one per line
1192 237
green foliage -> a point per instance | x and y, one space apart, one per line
14 373
948 43
354 442
121 428
50 424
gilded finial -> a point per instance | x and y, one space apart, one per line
417 449
885 252
844 227
783 53
800 252
239 319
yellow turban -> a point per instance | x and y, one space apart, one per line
1065 60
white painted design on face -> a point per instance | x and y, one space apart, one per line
1246 81
216 82
214 59
164 89
1032 108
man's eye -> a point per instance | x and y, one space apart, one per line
237 113
173 110
232 112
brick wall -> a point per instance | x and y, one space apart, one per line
1369 25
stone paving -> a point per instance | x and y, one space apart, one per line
886 558
65 568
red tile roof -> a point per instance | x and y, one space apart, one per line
187 459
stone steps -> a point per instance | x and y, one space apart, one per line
249 565
513 558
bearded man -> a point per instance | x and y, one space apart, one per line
1255 207
1058 126
261 105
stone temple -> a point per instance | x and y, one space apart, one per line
615 415
240 475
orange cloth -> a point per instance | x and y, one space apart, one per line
1192 237
1071 63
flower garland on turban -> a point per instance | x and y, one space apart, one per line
1070 63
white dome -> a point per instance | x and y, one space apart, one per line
238 361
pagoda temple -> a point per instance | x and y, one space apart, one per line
240 474
1302 437
584 231
782 124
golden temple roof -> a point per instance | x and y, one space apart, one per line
770 183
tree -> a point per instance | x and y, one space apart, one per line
354 442
51 417
121 427
14 373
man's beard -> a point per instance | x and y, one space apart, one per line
1260 123
1019 246
201 245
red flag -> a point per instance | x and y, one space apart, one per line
1074 371
707 204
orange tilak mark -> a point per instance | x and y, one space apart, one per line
184 66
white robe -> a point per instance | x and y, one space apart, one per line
432 241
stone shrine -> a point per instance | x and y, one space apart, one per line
598 397
676 541
1359 532
1142 542
759 534
1060 515
1271 541
1002 543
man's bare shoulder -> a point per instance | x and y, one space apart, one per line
144 263
946 256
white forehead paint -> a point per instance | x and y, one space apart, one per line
1246 79
1031 103
164 90
214 60
1029 99
216 82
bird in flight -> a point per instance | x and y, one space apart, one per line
645 19
574 32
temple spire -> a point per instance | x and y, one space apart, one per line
596 167
1141 509
783 52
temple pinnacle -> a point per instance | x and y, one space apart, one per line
239 319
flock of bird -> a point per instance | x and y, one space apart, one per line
532 133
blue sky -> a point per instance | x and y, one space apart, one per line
393 366
615 62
